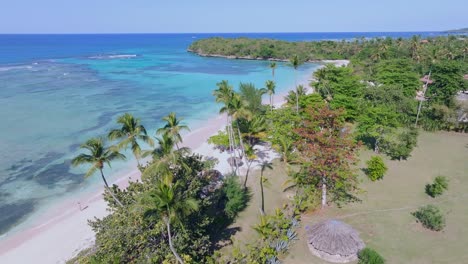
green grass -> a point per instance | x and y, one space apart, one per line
274 198
384 216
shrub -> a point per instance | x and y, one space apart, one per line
438 187
237 197
370 256
430 217
376 168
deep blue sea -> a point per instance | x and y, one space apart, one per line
56 91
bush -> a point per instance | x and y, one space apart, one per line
370 256
376 168
438 187
237 197
430 217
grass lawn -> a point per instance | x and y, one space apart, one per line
274 198
383 217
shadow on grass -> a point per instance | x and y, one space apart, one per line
221 237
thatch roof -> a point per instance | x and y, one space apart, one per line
334 241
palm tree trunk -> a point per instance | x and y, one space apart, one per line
271 102
168 225
261 189
241 141
109 189
230 141
297 95
232 145
247 175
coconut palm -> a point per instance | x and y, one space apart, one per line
130 133
295 63
273 68
166 201
264 166
293 96
164 156
173 128
250 157
270 89
97 157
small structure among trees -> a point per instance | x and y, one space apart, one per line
334 241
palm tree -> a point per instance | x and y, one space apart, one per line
285 148
97 157
273 68
225 94
130 133
263 166
293 96
250 156
173 128
270 89
295 63
164 155
415 44
166 201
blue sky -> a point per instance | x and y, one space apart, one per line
174 16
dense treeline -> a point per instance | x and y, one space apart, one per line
420 50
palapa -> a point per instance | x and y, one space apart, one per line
334 241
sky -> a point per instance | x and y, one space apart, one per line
192 16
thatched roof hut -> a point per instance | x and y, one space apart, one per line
334 241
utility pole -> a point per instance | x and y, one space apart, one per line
423 98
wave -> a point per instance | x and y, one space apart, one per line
19 67
117 56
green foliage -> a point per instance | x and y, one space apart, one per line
237 197
252 98
430 217
341 88
138 233
438 187
277 233
399 145
399 73
220 140
370 256
448 80
376 168
375 123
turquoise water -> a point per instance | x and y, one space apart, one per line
56 91
49 107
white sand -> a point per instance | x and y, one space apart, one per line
64 231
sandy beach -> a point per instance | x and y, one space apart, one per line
63 232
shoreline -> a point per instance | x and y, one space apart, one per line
337 63
65 228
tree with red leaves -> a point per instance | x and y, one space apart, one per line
327 151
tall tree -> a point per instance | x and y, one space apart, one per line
295 63
225 95
167 202
250 157
273 68
264 166
326 152
173 127
270 89
97 157
130 133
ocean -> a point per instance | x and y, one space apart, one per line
56 91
